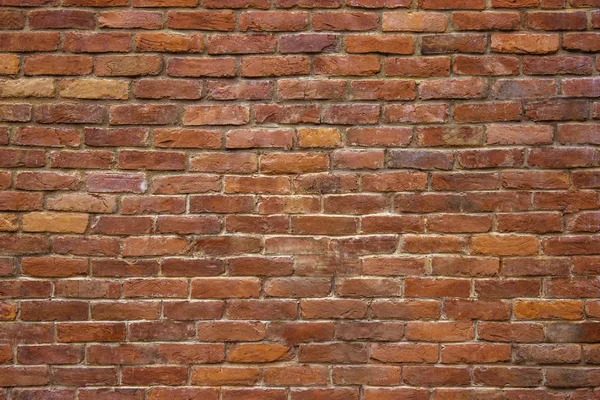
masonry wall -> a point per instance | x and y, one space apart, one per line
299 199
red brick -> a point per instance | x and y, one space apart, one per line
221 204
191 267
389 44
87 289
351 114
523 134
587 42
274 21
372 393
347 65
308 43
241 44
130 19
367 375
347 21
165 3
454 43
191 183
336 309
264 184
19 158
486 65
551 65
9 65
442 5
61 19
296 205
379 3
287 114
162 42
215 115
555 21
415 113
478 21
128 65
165 393
167 88
405 353
493 310
262 310
367 137
86 246
26 333
149 114
54 267
192 67
253 67
257 353
238 287
426 244
50 137
414 21
154 375
24 376
281 163
125 310
394 90
524 44
491 112
309 3
226 375
422 159
69 113
90 332
118 42
436 376
231 331
511 332
501 376
514 3
29 41
133 394
185 311
259 266
295 89
425 67
98 137
297 287
149 331
201 20
188 67
258 393
54 310
298 332
12 19
557 110
15 113
384 331
460 88
355 204
46 181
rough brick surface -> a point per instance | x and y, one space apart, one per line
299 199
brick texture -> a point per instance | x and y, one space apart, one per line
299 199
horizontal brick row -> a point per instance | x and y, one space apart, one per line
296 89
336 114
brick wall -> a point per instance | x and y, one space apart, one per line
299 199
